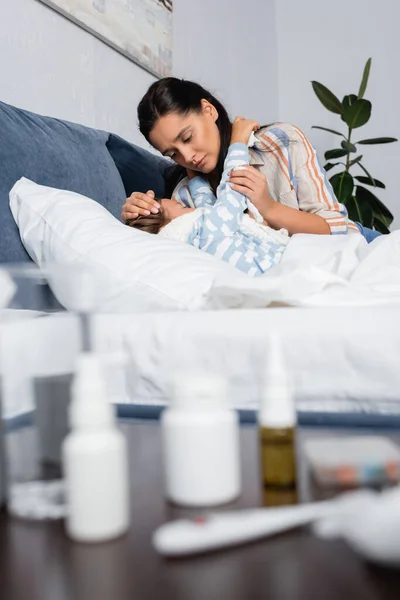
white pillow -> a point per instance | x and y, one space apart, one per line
130 270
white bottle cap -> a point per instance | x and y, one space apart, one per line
90 405
199 391
277 403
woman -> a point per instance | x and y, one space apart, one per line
284 180
218 224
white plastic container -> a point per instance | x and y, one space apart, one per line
201 443
95 460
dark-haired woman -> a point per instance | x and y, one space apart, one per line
219 226
284 180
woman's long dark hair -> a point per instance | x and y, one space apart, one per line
171 95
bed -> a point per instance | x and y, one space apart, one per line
341 361
337 313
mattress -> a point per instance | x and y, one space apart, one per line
332 355
338 359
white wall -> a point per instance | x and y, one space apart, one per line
330 43
230 48
51 66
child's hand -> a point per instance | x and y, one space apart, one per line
139 204
242 128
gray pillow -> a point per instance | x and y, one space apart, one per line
54 153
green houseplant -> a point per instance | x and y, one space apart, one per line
355 111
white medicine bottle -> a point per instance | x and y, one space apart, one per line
95 460
200 443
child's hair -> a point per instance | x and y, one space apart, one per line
172 95
150 223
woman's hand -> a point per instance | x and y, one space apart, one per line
242 128
139 204
253 184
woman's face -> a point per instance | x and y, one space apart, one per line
192 140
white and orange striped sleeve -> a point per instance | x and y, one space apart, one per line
314 192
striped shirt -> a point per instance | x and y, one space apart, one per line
217 224
294 174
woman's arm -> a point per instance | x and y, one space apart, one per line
254 184
314 192
280 216
295 161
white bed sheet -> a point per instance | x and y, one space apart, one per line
319 270
339 359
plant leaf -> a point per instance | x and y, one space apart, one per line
328 166
343 185
353 209
379 226
381 140
330 130
379 215
360 211
327 98
358 113
367 181
348 146
355 160
364 80
382 211
336 153
367 173
347 102
377 206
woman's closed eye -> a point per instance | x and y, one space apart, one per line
172 154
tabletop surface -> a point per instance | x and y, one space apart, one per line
38 561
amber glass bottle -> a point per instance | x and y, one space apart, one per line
277 421
278 456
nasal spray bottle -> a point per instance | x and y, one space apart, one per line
95 460
277 421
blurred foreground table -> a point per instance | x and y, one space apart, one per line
38 561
